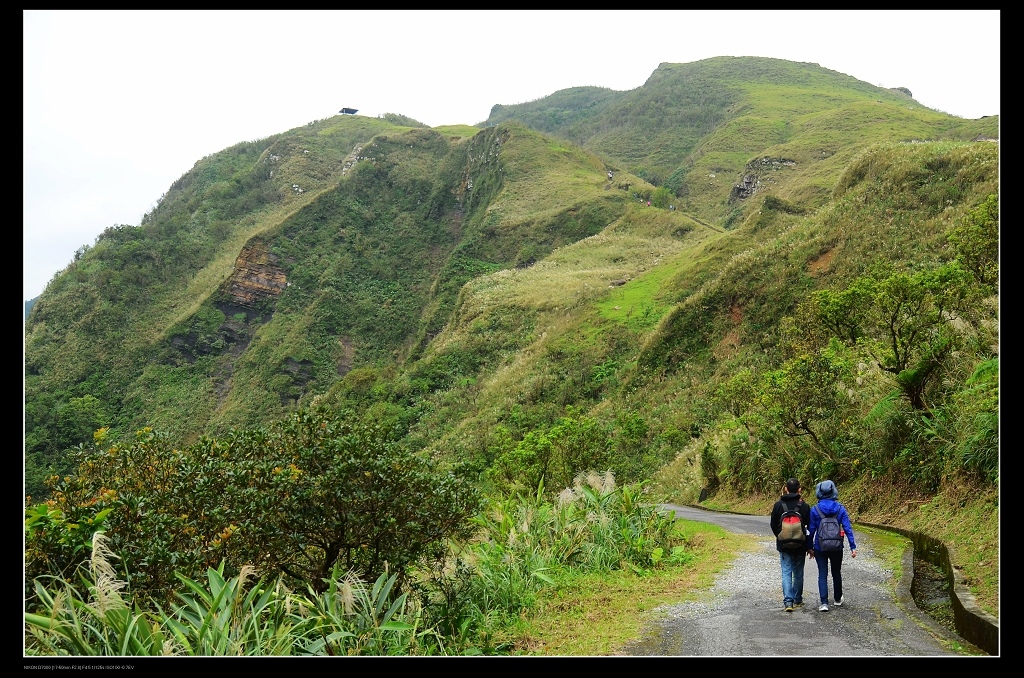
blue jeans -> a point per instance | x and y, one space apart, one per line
792 575
823 559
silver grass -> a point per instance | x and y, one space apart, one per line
106 583
347 592
57 610
244 573
283 592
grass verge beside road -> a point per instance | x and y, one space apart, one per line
593 615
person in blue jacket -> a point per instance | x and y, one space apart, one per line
828 505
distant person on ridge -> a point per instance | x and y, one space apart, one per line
830 523
790 522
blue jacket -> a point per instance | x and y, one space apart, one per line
829 507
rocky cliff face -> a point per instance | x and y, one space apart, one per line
257 278
247 300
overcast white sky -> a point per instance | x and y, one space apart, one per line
119 104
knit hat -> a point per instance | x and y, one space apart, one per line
826 489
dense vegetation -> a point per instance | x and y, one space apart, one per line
368 354
336 509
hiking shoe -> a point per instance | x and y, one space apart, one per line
798 603
789 607
823 608
839 602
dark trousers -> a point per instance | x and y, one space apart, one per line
823 558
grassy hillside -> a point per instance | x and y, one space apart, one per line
651 362
494 299
371 234
101 321
699 128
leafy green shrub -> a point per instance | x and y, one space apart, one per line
976 241
310 492
553 457
56 543
661 197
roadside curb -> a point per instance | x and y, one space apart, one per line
972 623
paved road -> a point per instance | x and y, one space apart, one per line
742 614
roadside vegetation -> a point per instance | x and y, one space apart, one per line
438 583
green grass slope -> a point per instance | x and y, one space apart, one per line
374 227
700 128
102 320
494 298
637 332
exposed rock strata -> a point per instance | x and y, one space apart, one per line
257 278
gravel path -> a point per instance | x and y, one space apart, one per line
742 613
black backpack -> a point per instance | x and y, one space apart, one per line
791 536
830 533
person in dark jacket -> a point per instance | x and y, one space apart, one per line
828 505
792 551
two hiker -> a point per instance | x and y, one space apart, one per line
818 533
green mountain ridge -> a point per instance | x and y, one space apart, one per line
478 288
711 126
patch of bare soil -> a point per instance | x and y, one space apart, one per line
821 264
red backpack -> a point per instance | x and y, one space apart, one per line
792 536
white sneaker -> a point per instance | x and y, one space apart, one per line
823 608
839 602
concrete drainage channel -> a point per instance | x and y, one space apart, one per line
930 590
938 592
